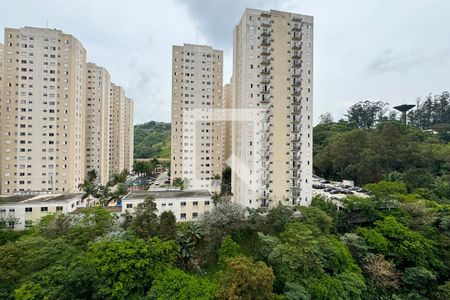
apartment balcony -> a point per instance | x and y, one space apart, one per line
265 98
265 70
297 63
265 79
296 26
295 174
265 41
266 32
296 18
296 100
297 36
296 54
296 91
265 20
295 110
295 129
296 119
295 146
265 61
297 72
296 45
265 51
295 193
296 82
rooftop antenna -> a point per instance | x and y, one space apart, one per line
403 109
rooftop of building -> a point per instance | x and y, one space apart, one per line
167 194
38 198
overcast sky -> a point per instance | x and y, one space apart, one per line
387 50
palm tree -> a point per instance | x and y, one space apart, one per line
104 194
89 190
216 198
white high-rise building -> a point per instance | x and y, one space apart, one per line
273 98
97 121
197 131
42 112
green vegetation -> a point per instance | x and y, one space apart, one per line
394 244
152 140
370 145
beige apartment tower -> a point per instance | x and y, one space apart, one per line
42 112
228 139
197 123
272 97
129 134
121 131
97 121
1 116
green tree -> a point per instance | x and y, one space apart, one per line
245 279
127 268
225 187
167 225
397 242
228 249
365 114
176 284
145 220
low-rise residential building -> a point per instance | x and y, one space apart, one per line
186 205
20 212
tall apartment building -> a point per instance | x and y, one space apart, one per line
1 103
273 95
42 111
129 134
121 131
228 105
97 121
116 129
197 128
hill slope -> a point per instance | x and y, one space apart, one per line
152 139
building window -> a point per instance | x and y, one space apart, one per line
195 203
28 209
44 209
129 205
183 216
28 223
194 215
59 208
183 203
206 202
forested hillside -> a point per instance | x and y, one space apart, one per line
152 140
370 145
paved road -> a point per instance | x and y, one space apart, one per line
159 181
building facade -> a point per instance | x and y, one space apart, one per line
197 139
121 131
97 121
228 139
24 211
185 205
116 129
129 134
272 98
42 117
